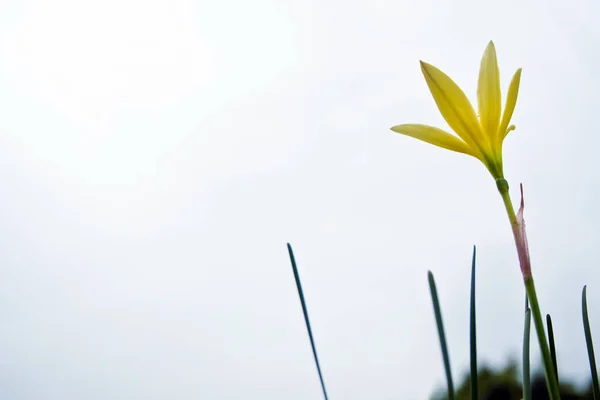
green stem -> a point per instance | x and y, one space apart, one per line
503 189
538 322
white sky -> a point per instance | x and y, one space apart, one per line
156 156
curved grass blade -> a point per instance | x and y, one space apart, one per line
306 320
590 344
526 371
474 389
552 345
441 334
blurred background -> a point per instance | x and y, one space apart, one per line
505 383
156 156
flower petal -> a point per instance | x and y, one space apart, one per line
453 105
488 93
434 136
511 102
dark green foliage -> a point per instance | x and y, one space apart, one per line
442 336
503 384
473 333
306 319
526 373
552 344
590 344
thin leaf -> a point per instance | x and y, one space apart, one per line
590 344
306 319
552 345
474 389
526 372
441 334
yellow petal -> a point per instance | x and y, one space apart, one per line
434 136
511 101
488 93
453 105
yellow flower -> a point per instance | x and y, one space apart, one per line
480 137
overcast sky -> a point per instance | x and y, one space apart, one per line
156 156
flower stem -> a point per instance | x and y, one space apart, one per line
538 322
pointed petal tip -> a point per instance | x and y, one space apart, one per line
517 76
425 66
490 49
400 128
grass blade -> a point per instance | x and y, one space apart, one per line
552 345
526 371
590 344
474 389
441 334
306 319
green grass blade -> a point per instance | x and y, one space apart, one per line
441 334
306 319
526 371
474 389
552 345
590 344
